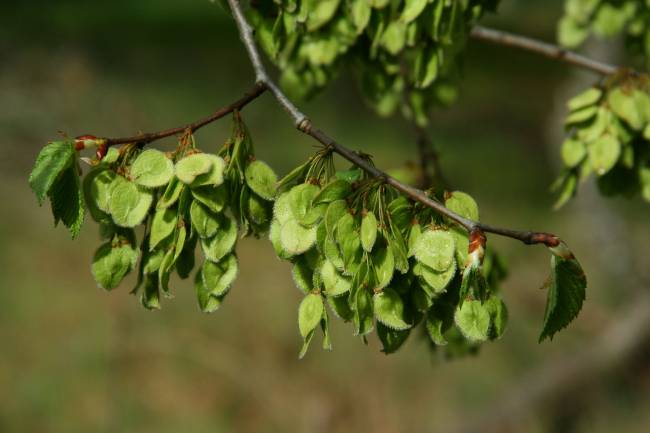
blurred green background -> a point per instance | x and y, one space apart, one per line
76 359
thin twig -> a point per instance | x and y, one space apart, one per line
304 124
545 49
251 95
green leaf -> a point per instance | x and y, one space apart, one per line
310 313
437 280
296 239
320 12
573 152
589 97
190 167
261 179
282 208
338 189
412 9
394 37
581 115
303 275
152 169
566 293
363 312
389 309
128 203
150 298
604 153
205 222
437 324
498 316
463 204
51 162
391 339
383 262
207 302
473 320
274 237
361 12
368 231
67 201
111 263
214 177
300 199
570 33
162 226
171 194
334 283
96 189
214 198
219 277
624 105
436 249
223 242
426 67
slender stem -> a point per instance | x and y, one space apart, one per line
251 95
545 49
304 124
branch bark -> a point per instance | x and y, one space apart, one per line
543 48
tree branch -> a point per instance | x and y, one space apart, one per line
543 48
251 95
303 124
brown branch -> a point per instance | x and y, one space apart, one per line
251 95
543 48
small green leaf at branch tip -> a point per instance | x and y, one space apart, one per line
368 231
53 160
566 293
436 249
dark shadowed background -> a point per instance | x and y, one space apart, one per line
76 359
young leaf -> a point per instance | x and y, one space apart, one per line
214 198
188 168
310 313
219 277
473 320
223 242
589 97
112 263
368 231
436 249
162 226
207 302
566 293
334 283
152 169
204 222
53 159
129 203
296 239
261 179
214 177
389 309
67 201
338 189
391 339
463 204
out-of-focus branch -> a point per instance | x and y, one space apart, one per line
629 329
429 161
543 48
